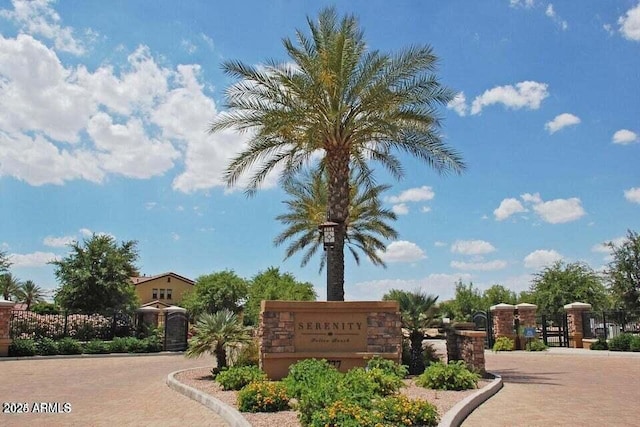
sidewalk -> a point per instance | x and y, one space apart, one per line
562 387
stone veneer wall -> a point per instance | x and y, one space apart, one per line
574 321
467 346
5 323
503 318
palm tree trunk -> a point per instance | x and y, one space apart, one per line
338 173
221 357
416 363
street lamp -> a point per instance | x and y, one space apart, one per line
328 233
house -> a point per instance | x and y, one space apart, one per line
162 290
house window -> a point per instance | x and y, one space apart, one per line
169 292
154 293
161 293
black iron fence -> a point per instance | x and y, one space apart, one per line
83 327
554 330
609 324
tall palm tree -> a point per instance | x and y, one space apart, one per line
9 286
367 221
215 333
418 311
30 293
338 99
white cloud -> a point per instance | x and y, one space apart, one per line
402 251
36 17
441 285
602 248
560 210
188 46
522 3
609 29
58 242
459 104
439 244
175 236
561 121
480 266
208 40
541 258
150 205
35 259
85 232
401 209
551 13
531 198
507 208
624 136
472 247
527 94
425 209
632 195
630 24
419 194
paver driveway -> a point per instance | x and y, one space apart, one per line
114 391
566 389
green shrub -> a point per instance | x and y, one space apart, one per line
247 355
237 377
601 344
635 343
44 308
135 345
152 344
504 344
96 347
386 383
46 347
263 396
454 376
620 342
401 411
69 346
306 374
118 345
388 366
535 345
358 386
22 347
345 414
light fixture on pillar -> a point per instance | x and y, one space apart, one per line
328 233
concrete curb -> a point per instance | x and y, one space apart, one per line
229 414
456 415
91 356
563 351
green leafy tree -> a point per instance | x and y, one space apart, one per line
215 292
498 294
31 293
418 312
468 299
273 285
563 283
338 98
366 226
10 287
215 334
623 273
96 276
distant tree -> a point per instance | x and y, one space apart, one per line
45 308
10 287
418 312
5 263
498 294
96 276
623 272
468 299
561 284
367 224
31 293
217 291
215 334
273 285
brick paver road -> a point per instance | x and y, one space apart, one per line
123 391
567 389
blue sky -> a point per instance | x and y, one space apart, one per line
104 108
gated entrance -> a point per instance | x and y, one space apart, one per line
484 322
555 330
176 325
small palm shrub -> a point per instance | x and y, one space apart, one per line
601 344
535 345
454 376
504 344
237 377
22 347
69 346
263 396
96 347
620 342
46 347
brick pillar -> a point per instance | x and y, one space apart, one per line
503 318
527 319
5 322
574 321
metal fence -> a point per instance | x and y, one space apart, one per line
609 324
83 327
554 330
